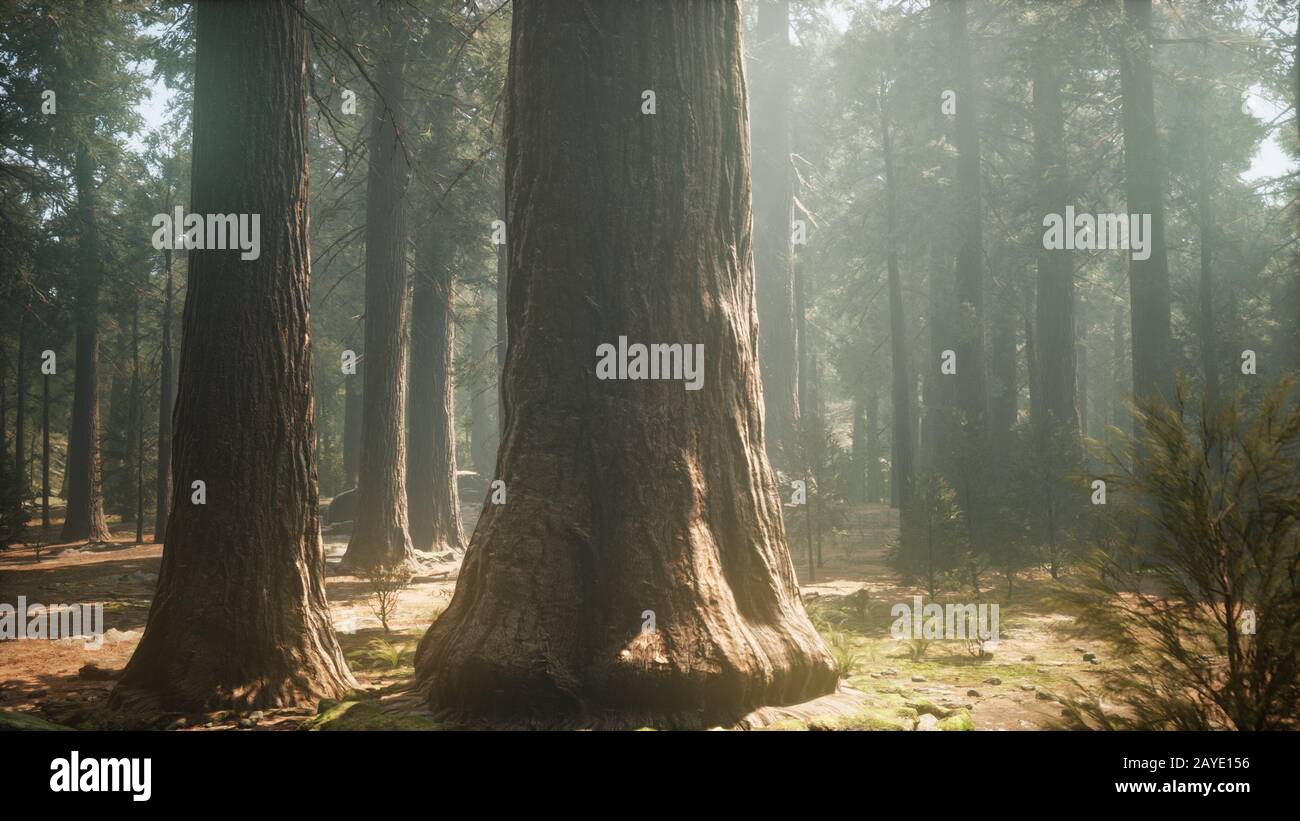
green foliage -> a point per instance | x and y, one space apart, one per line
380 654
1218 498
932 540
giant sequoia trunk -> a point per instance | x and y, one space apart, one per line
1055 402
379 533
433 503
773 183
1144 188
638 570
85 510
240 619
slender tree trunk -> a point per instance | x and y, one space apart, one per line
162 488
1054 323
902 386
1144 187
874 478
550 620
240 619
45 450
20 423
380 531
774 184
84 520
482 435
137 421
1005 391
859 487
502 348
351 428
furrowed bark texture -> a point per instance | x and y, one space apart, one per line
379 533
627 498
240 619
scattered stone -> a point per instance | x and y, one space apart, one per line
178 724
973 693
245 724
1026 658
918 678
93 672
927 723
889 671
1043 695
993 680
1029 687
1089 656
256 716
957 721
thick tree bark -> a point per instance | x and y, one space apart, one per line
163 484
433 499
240 619
1144 188
1054 322
380 531
85 502
628 500
432 494
774 183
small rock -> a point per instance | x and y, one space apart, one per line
1089 656
1080 650
256 716
93 672
1026 658
875 675
1028 687
889 671
245 724
918 678
973 693
927 722
993 680
178 724
1044 696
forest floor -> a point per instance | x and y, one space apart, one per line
850 600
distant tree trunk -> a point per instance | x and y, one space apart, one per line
481 433
85 520
874 478
380 531
1054 322
45 450
433 499
858 486
1005 390
1144 187
550 620
902 386
1209 338
351 428
162 488
1081 365
774 181
972 387
137 421
240 619
20 423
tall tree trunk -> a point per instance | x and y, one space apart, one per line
550 616
433 499
240 619
773 182
20 423
137 421
858 486
902 386
874 478
502 348
1144 188
85 520
1054 315
380 531
1005 391
162 488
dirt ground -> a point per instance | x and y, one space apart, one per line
1013 689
